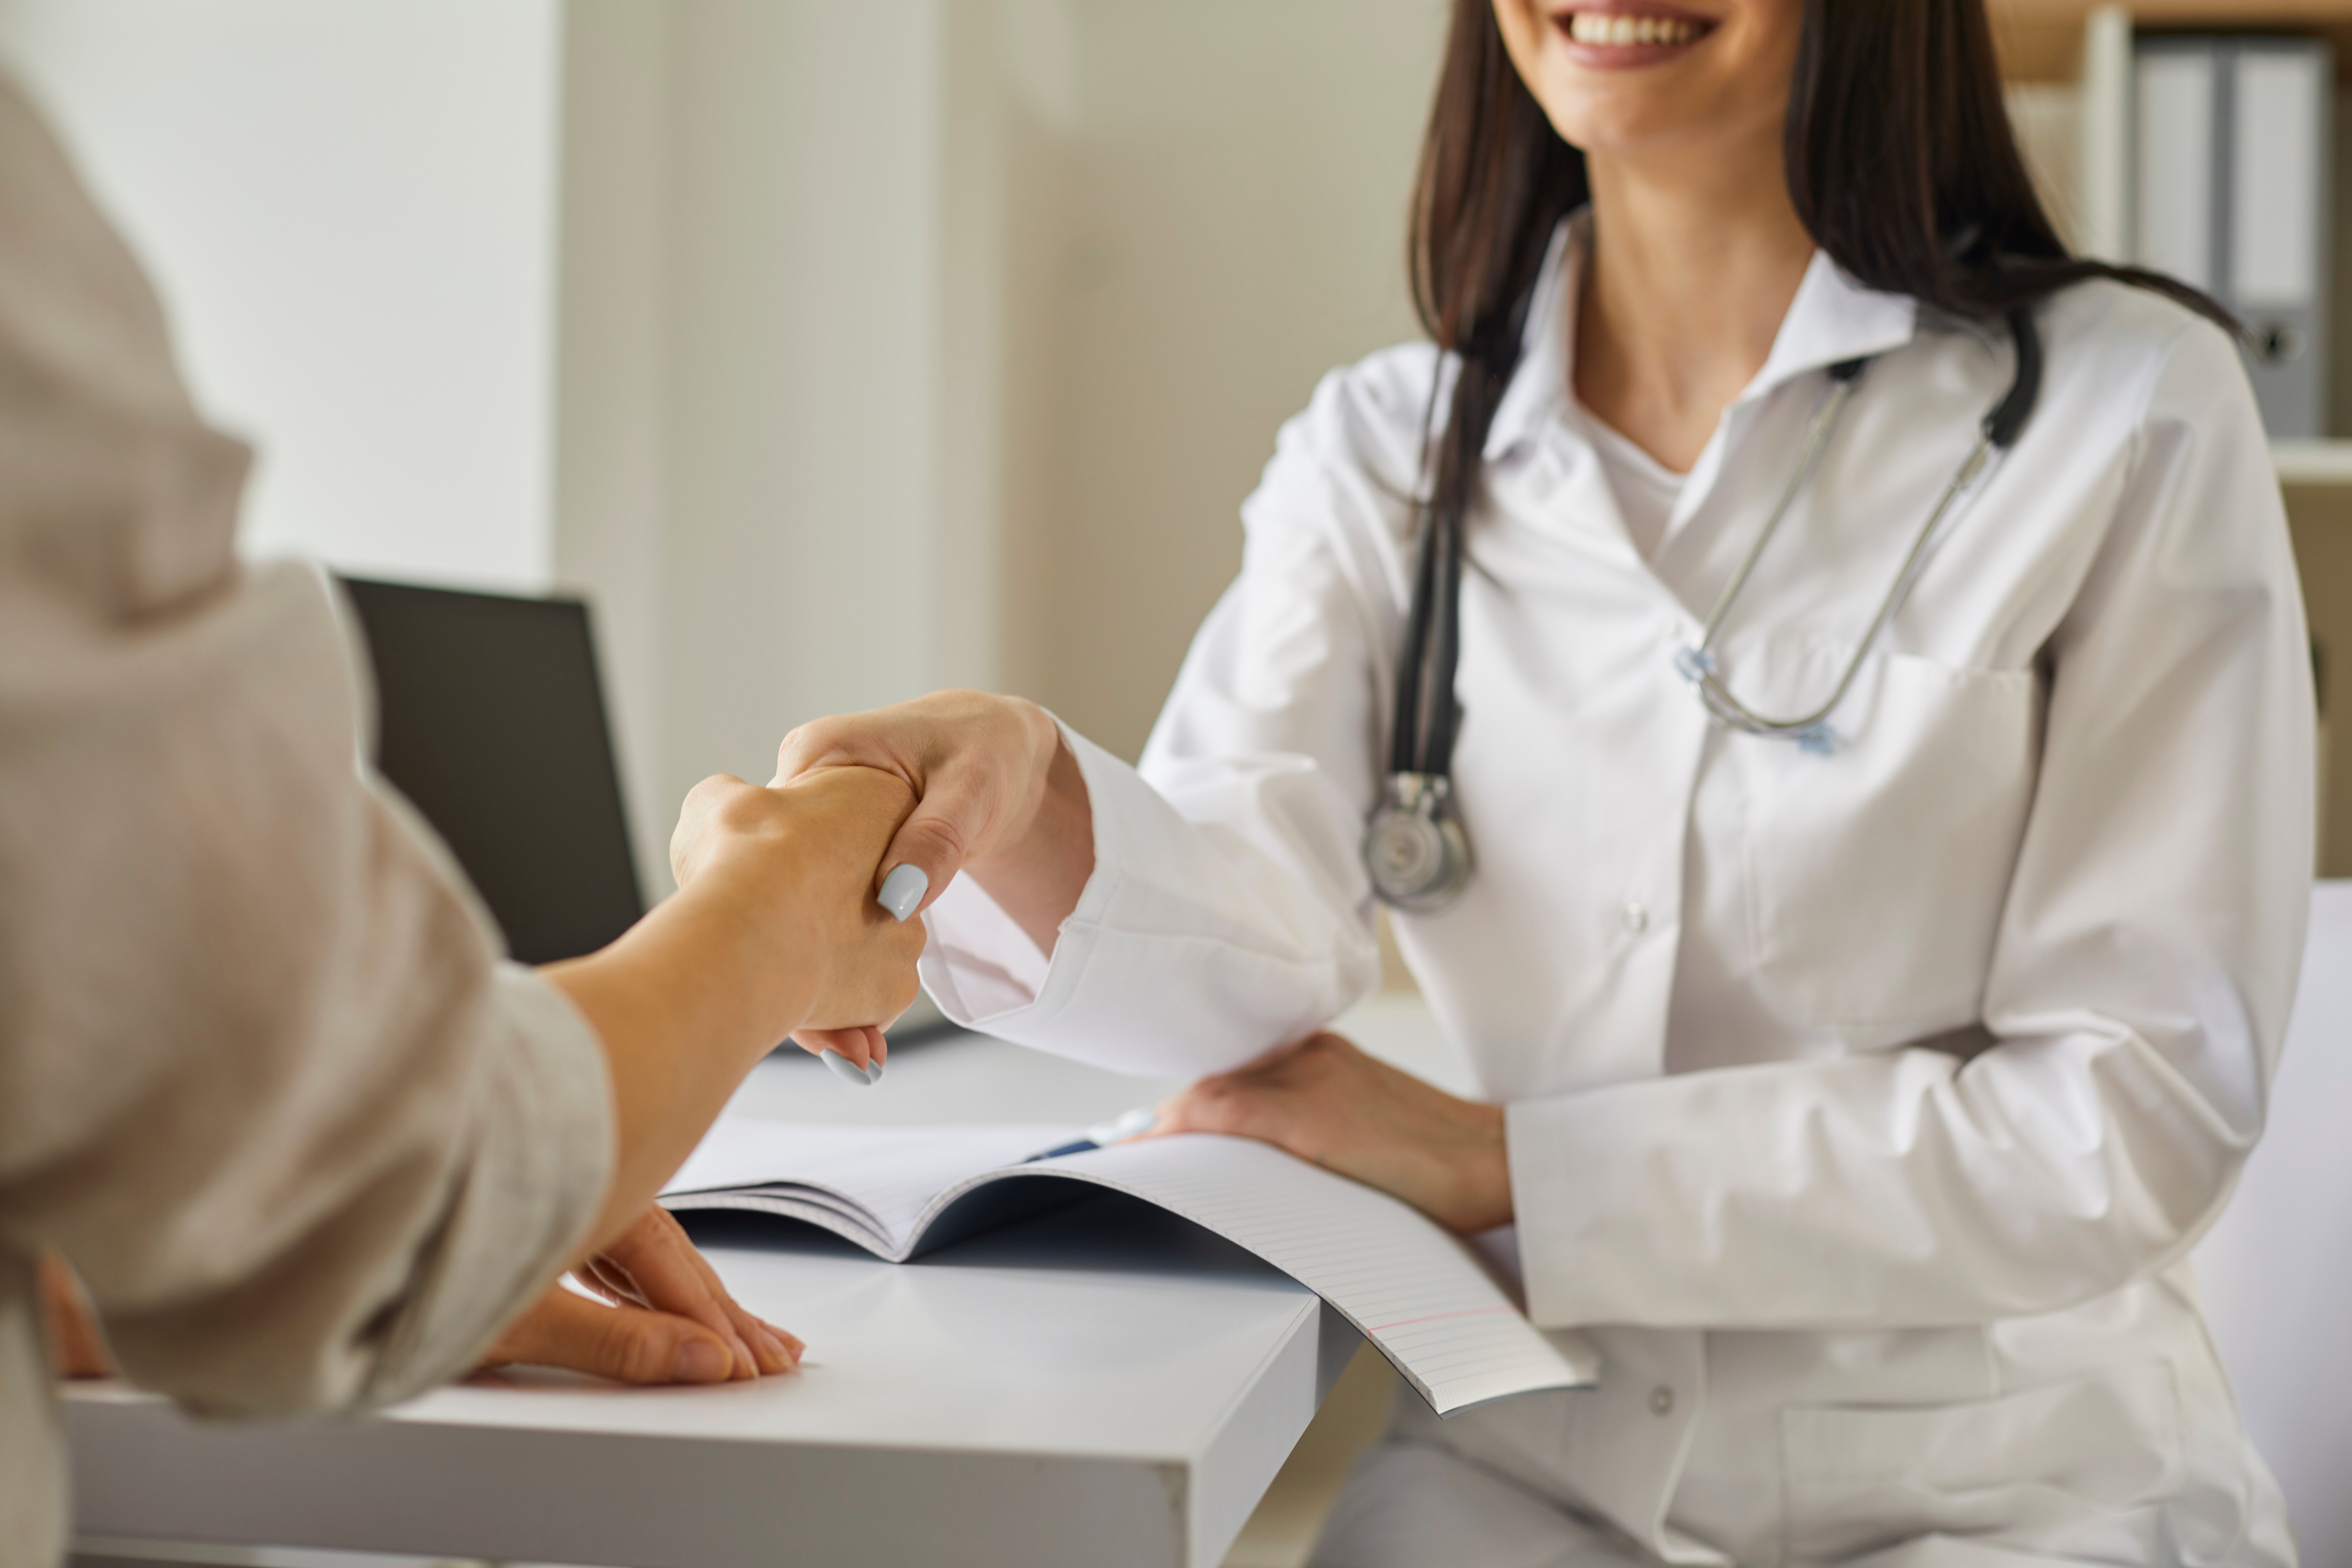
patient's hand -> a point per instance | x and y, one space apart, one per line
666 1318
775 927
76 1347
807 853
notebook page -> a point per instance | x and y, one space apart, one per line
1415 1289
889 1172
799 1203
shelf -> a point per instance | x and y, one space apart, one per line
2313 462
2041 40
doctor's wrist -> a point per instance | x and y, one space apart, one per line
1037 875
1481 1173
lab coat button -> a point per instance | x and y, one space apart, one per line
1637 919
1661 1401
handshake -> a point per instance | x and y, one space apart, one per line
869 817
795 913
795 867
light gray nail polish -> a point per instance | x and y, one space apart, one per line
843 1068
903 888
873 1070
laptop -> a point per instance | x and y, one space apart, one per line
491 721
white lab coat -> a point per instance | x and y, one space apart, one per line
1863 1107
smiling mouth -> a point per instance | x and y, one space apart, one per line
1644 30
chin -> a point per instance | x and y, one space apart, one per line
1620 76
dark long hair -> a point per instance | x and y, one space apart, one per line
1900 160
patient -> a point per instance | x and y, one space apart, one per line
266 1085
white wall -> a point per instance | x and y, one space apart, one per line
747 447
350 211
1237 178
836 352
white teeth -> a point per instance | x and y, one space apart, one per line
1627 32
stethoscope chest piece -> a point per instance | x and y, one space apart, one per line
1415 848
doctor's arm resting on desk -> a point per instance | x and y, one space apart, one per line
270 1090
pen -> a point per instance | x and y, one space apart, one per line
1133 1125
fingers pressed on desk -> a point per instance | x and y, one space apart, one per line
627 1344
654 1265
777 1351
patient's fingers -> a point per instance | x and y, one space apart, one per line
75 1342
654 1264
768 1342
627 1344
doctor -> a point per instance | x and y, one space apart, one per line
1858 1083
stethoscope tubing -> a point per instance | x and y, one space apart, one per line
1698 663
1997 431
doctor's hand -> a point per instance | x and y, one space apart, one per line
1324 1100
998 794
798 862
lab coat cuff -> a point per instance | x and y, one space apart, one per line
1216 1003
1561 1151
982 967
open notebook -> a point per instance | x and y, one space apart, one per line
1416 1290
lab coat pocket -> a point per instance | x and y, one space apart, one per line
2076 1467
1877 871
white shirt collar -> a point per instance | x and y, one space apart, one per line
1833 318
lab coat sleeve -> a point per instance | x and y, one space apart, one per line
1229 910
2134 1006
263 1081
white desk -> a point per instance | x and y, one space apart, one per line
1104 1385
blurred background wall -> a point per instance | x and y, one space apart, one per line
836 352
347 210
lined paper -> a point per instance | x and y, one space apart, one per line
1414 1289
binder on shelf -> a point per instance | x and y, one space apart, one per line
2230 190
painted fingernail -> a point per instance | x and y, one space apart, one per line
873 1070
699 1361
903 888
843 1068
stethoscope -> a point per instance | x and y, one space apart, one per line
1415 846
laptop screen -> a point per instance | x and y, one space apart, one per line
491 720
